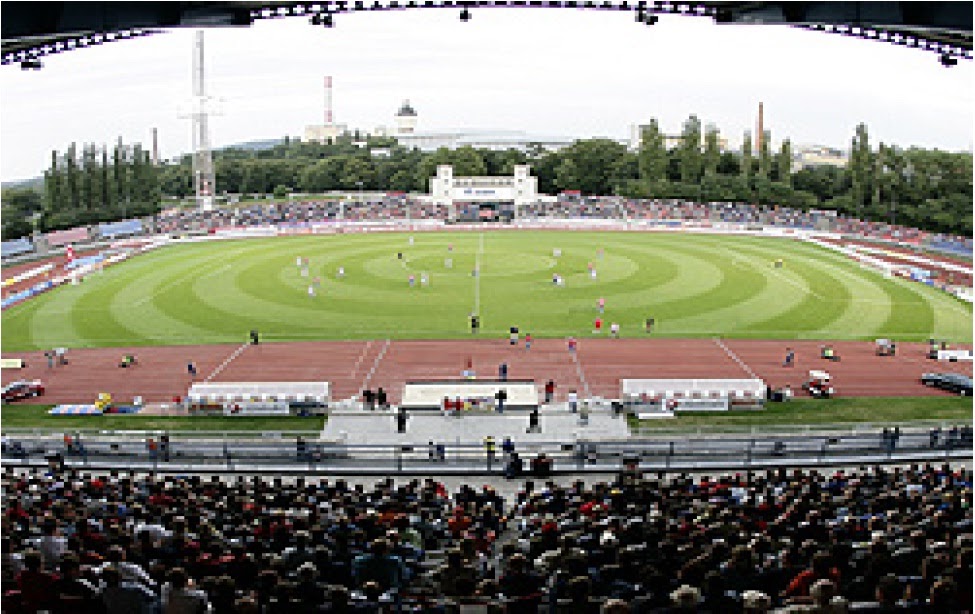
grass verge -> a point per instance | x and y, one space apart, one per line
798 412
801 412
36 417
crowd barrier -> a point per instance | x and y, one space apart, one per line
23 295
578 456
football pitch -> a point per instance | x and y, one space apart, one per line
691 285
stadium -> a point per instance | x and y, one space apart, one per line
432 402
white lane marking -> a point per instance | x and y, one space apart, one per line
734 357
226 362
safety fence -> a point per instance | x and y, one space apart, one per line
300 453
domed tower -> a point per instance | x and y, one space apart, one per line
406 119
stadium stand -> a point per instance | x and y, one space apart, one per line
17 247
879 539
658 212
126 228
65 237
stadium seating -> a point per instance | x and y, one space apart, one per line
17 247
902 536
126 228
66 237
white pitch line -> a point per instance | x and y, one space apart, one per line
734 357
145 299
220 270
375 365
582 376
477 278
189 273
362 356
224 364
787 280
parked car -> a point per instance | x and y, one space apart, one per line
22 389
952 382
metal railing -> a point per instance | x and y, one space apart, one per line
277 454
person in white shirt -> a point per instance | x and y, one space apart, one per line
52 544
128 572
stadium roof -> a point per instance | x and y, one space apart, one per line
31 30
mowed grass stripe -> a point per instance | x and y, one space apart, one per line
947 309
95 315
826 299
202 293
161 312
740 318
211 300
737 285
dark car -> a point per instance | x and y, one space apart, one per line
22 389
952 382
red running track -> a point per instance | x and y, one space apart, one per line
350 366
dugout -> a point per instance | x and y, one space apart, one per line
674 395
477 395
259 398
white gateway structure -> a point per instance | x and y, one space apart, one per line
483 197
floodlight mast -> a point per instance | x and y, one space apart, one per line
204 181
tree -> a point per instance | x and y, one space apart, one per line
280 192
652 158
567 175
764 154
861 168
591 163
689 150
625 169
467 162
712 150
19 207
401 181
746 156
783 164
355 173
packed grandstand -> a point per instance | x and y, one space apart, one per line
879 539
299 212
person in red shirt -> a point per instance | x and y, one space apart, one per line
459 523
598 324
821 569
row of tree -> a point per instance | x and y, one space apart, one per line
83 187
929 189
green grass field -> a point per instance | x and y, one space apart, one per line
898 410
692 285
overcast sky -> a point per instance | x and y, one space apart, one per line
546 72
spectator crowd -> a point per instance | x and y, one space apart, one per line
402 207
878 539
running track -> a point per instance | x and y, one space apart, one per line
350 366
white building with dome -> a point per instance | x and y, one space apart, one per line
406 132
